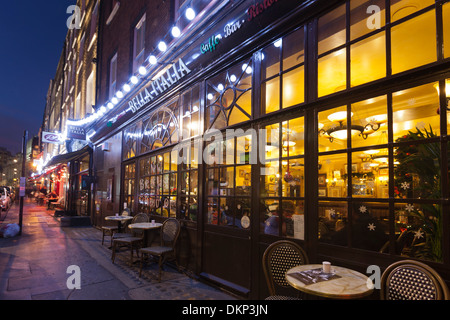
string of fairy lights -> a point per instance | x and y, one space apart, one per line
142 72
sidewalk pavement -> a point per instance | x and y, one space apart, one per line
34 266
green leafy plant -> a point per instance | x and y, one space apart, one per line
421 163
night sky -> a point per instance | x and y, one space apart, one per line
32 34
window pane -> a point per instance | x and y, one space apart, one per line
212 206
226 212
269 214
416 108
330 137
332 73
293 178
332 30
272 133
420 231
271 95
417 36
228 96
213 182
244 150
293 137
418 170
370 230
227 181
243 180
243 213
293 221
294 87
293 51
371 116
333 220
446 14
333 176
365 18
370 173
270 177
368 60
403 8
271 60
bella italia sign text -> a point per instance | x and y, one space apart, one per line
159 86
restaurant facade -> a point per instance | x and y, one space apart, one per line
322 122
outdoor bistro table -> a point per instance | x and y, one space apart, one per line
341 283
119 220
146 226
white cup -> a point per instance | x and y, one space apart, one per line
117 214
326 266
153 222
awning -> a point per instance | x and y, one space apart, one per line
65 158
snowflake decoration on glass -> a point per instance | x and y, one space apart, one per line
409 207
405 185
418 234
371 226
332 211
363 209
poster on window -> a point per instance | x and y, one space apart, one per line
299 226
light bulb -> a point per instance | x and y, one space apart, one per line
190 13
126 88
162 46
134 80
176 32
152 59
110 105
142 71
119 94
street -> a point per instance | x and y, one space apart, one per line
40 264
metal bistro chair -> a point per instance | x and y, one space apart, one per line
133 240
170 231
112 231
412 280
278 258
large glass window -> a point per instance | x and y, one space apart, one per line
229 96
129 185
387 176
356 39
161 128
157 191
283 72
228 181
283 179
